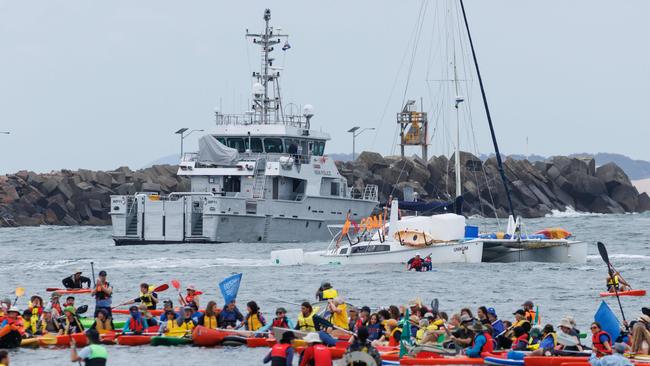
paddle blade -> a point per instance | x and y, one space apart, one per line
20 291
603 252
176 284
82 309
49 339
51 289
434 306
161 288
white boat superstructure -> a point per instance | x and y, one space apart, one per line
261 176
394 242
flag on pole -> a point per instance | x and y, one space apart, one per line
229 287
405 339
608 321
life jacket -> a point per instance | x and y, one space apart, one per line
489 343
210 321
57 307
103 326
522 338
174 329
99 294
189 299
598 346
416 263
280 323
419 335
341 319
253 322
392 341
329 294
530 316
306 324
18 324
33 321
613 282
279 354
136 326
75 323
322 355
536 346
147 299
98 356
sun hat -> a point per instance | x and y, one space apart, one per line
429 315
528 303
644 318
191 287
13 309
565 323
312 338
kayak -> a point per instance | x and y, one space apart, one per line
88 322
134 340
441 361
502 361
206 337
64 340
29 342
624 293
70 291
169 341
552 360
155 312
9 337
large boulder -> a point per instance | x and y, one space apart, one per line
586 187
568 165
524 193
626 196
612 175
374 161
604 204
644 203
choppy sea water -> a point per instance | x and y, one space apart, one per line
38 257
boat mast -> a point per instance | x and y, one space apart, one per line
487 112
459 100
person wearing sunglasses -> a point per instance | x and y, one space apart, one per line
280 321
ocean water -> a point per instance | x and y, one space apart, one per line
39 257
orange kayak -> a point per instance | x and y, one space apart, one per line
624 293
64 340
69 291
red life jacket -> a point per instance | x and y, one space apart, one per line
598 346
136 326
489 343
279 354
189 299
417 262
280 323
522 338
322 356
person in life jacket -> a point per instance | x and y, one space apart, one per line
76 281
601 340
281 353
326 292
47 324
148 298
103 324
567 329
415 263
70 324
360 343
616 282
55 304
167 305
280 321
521 338
30 325
482 341
316 354
254 319
186 321
548 342
391 336
92 355
136 323
308 321
339 311
13 318
192 296
210 318
230 315
529 312
103 293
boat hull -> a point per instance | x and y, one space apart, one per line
456 252
533 251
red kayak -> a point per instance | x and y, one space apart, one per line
134 340
155 312
69 291
206 337
64 340
624 293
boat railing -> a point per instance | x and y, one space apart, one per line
370 192
295 120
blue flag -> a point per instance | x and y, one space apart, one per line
229 287
608 321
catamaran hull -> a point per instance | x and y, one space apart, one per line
561 252
468 252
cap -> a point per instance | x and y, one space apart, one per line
417 254
102 273
280 310
528 303
644 318
366 309
133 308
186 308
520 312
465 318
13 309
78 270
492 312
191 287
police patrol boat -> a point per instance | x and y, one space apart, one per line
261 176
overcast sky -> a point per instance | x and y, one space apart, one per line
100 84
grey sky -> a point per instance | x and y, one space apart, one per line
99 84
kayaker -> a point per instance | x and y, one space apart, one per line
281 353
374 328
280 321
364 316
211 316
55 304
529 311
339 311
616 283
316 354
354 321
92 355
254 319
13 317
520 341
495 322
521 321
102 323
167 306
361 343
616 359
601 340
76 281
415 263
136 324
70 324
391 336
481 313
534 338
186 321
4 358
326 292
468 312
419 335
645 319
69 301
170 326
36 306
229 316
640 339
566 327
308 321
482 341
148 316
191 297
148 298
30 326
103 293
548 342
463 336
47 323
427 264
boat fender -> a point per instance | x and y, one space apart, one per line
233 341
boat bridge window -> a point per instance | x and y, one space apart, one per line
318 148
237 143
255 144
273 145
334 190
232 184
344 251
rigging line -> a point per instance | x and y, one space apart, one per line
416 42
487 112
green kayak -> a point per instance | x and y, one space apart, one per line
169 341
88 322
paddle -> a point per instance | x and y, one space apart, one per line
92 269
20 291
177 286
603 254
434 309
82 309
49 339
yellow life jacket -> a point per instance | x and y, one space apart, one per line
33 321
253 322
146 299
419 335
341 319
614 282
306 324
210 321
329 294
103 327
175 330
